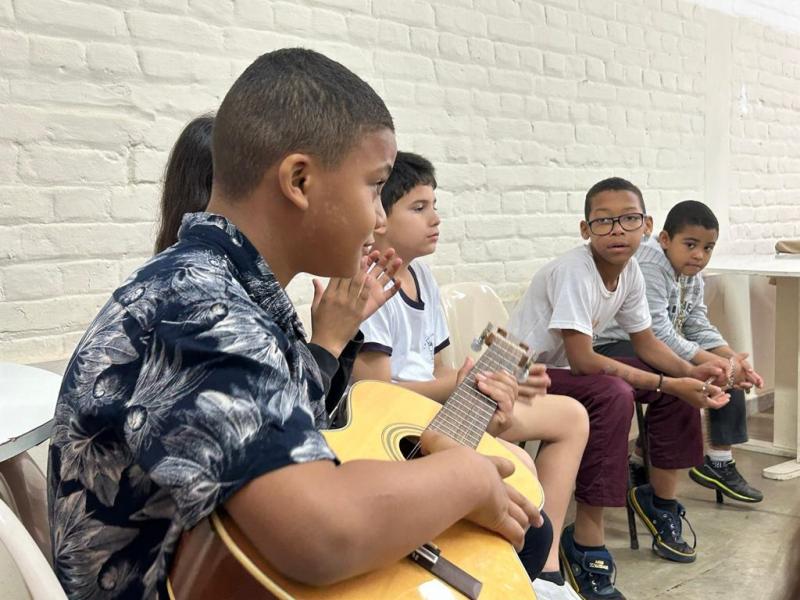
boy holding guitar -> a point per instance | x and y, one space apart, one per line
192 390
403 338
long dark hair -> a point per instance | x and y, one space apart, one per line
187 179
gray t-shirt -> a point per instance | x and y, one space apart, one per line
679 314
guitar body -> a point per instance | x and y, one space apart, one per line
215 560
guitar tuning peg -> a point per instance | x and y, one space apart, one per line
477 343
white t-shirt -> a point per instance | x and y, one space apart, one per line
568 293
410 332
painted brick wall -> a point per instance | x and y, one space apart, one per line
765 137
521 104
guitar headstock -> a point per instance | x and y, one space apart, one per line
511 354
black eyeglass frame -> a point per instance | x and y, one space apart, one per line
614 221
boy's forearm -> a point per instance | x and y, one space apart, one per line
397 503
723 351
321 527
597 364
659 356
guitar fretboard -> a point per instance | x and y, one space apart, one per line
466 414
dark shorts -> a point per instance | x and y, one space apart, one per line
674 431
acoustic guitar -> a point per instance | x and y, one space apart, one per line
215 560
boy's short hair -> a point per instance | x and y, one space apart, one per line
290 100
616 184
689 212
409 171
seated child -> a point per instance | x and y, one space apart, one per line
671 265
568 301
403 340
192 388
336 311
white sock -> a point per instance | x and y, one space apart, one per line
720 456
636 459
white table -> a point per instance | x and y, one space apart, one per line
786 271
27 402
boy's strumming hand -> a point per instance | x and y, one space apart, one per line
536 385
697 393
504 510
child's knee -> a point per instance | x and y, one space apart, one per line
576 415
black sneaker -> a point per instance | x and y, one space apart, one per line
725 479
590 573
664 525
637 474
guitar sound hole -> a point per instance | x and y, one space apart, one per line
407 445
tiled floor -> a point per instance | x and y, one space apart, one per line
742 548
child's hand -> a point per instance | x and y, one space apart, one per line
716 370
505 510
503 388
746 373
337 311
536 384
697 393
380 269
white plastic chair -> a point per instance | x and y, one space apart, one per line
468 308
33 566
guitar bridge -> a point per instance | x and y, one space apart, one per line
429 557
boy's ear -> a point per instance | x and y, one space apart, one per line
294 174
648 225
663 239
585 232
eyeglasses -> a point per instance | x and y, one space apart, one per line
605 225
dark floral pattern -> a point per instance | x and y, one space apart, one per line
192 381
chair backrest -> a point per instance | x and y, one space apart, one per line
468 307
33 566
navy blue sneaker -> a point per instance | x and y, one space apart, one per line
590 573
664 525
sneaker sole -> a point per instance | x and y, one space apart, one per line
716 484
661 548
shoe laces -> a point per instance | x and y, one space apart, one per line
598 580
671 527
731 473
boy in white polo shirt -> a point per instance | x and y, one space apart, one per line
402 341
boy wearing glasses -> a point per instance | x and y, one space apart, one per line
568 301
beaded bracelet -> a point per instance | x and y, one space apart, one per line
731 371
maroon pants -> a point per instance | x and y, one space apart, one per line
673 426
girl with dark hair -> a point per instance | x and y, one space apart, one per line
187 179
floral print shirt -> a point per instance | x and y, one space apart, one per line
191 381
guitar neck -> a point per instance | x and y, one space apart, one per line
467 412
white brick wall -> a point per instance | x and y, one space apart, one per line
521 104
